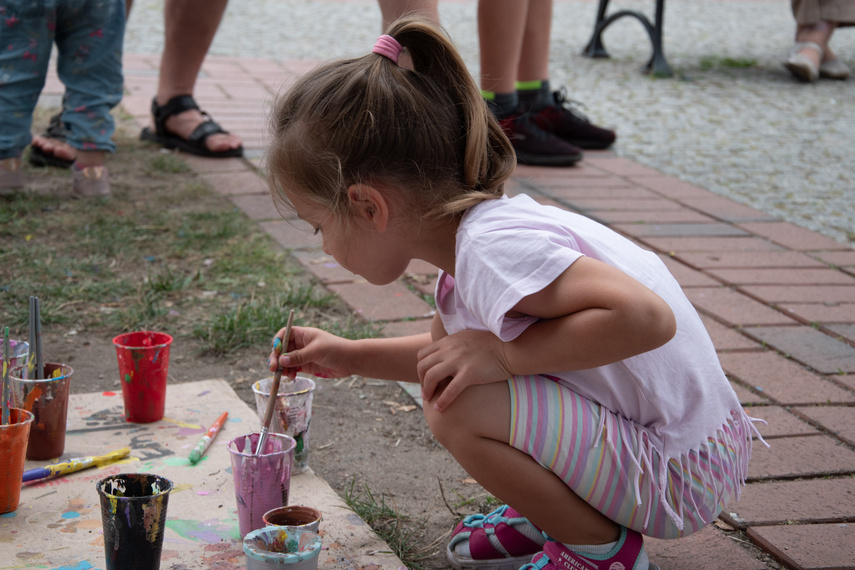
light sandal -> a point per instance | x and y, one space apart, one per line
834 69
800 65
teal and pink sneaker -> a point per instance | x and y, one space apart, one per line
501 540
627 554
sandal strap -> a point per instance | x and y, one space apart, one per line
56 128
799 46
174 106
206 129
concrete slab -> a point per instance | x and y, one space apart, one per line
58 521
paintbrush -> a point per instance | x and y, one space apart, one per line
73 465
34 359
6 361
274 389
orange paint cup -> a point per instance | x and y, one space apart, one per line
13 451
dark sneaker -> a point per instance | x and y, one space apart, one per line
536 147
568 123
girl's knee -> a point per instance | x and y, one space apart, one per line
479 411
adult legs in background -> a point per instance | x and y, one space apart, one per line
816 21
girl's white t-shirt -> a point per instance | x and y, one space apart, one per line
510 248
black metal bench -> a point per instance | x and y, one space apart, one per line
657 65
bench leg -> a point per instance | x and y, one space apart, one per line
595 47
657 65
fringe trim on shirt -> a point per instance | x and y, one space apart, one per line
735 435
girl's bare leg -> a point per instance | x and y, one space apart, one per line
476 429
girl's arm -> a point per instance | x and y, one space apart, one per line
591 315
323 354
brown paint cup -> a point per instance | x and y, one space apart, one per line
294 516
47 399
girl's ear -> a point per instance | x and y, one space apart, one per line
370 205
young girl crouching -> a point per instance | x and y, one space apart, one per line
565 369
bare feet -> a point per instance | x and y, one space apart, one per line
55 148
183 125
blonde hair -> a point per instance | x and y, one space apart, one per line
368 121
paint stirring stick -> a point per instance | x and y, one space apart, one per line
31 341
73 465
6 360
274 389
206 440
40 370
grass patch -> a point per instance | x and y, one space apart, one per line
714 61
401 533
163 252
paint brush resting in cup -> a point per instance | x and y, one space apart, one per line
274 389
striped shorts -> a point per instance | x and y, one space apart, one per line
609 461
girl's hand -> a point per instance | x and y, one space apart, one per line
466 358
312 351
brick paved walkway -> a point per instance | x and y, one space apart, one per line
778 300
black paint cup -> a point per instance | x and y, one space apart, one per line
133 515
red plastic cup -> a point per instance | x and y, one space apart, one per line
143 366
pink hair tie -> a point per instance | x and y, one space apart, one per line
389 47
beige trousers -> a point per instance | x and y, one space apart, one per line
809 12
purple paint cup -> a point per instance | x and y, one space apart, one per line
262 482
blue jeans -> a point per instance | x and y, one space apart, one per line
89 35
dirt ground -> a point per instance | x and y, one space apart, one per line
364 433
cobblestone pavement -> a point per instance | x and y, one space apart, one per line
753 134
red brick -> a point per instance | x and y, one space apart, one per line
208 166
824 353
809 547
820 313
595 204
681 245
256 206
707 549
292 234
838 258
576 193
792 236
781 379
733 307
686 276
779 422
803 293
683 215
817 500
671 187
726 338
804 456
621 166
725 209
746 396
714 229
323 266
382 303
789 276
753 259
839 420
546 175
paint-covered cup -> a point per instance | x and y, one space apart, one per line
47 399
13 452
133 516
275 547
294 516
143 367
262 482
292 415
